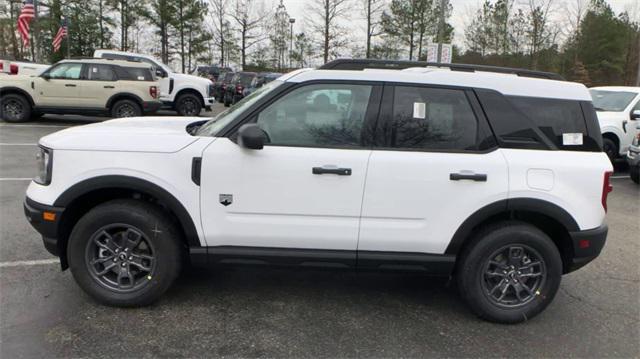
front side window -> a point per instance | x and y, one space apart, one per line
66 71
99 72
614 101
431 119
322 115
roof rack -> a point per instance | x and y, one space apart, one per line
361 64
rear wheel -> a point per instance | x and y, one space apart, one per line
15 108
610 148
510 272
125 253
125 108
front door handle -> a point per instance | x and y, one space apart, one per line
109 87
332 171
478 177
70 85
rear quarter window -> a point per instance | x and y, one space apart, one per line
135 74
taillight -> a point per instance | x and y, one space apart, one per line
606 188
13 69
153 91
239 88
224 87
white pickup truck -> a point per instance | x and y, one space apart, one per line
186 94
8 67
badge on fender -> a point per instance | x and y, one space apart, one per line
226 199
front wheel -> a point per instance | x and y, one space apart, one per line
610 148
125 253
634 173
510 272
188 105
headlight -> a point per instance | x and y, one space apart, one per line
44 160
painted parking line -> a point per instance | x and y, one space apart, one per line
37 262
18 144
16 179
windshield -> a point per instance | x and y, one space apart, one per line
214 126
614 101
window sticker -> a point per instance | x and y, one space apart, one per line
94 70
140 78
419 110
572 139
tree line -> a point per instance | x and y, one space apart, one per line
591 44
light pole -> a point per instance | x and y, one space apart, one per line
291 21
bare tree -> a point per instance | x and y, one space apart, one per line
249 15
324 17
541 32
220 26
372 11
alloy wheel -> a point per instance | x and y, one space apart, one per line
13 109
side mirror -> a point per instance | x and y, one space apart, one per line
251 136
160 73
635 115
47 77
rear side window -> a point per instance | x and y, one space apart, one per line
561 121
135 74
99 72
432 119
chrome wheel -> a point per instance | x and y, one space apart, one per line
120 258
513 276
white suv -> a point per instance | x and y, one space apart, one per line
618 111
186 94
496 179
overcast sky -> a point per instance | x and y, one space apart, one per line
461 11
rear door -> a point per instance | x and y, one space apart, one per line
434 165
100 85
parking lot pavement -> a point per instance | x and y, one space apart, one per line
278 313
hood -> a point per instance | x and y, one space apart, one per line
610 116
13 80
135 134
194 80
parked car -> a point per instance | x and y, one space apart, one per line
185 94
439 171
86 87
210 72
633 156
21 68
615 107
260 80
220 86
235 89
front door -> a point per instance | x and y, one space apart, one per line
304 189
61 88
435 167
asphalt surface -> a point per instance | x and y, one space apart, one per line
278 313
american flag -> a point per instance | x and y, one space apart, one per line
27 14
62 32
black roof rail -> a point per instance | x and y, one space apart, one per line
361 64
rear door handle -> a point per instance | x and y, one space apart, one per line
478 177
109 87
332 171
70 85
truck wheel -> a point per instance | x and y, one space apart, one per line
125 108
15 108
634 172
188 105
609 147
125 253
227 101
510 272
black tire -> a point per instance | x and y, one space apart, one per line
220 98
157 232
227 101
634 173
15 108
125 108
610 148
188 105
475 276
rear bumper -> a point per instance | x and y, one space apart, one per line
587 245
151 106
35 213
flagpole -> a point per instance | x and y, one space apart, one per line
66 21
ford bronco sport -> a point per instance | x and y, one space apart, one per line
493 176
83 86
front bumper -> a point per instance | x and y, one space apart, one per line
633 156
151 106
587 245
48 228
